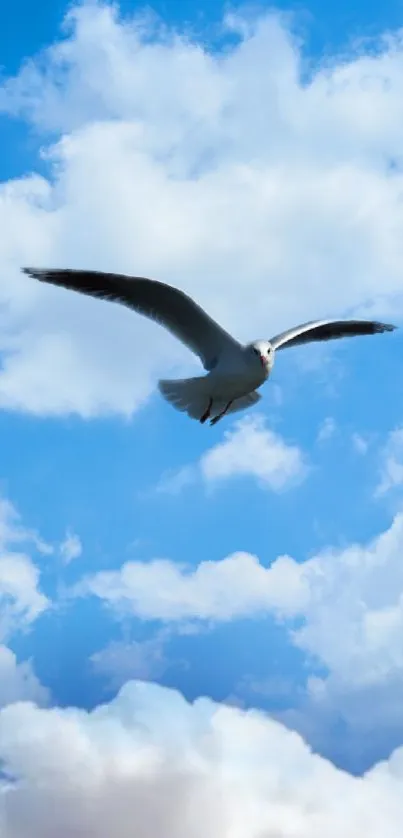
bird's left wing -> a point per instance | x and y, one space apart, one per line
328 330
162 303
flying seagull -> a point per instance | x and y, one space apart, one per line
234 371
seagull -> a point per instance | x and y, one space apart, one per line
234 371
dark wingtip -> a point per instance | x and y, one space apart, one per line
36 273
386 327
41 274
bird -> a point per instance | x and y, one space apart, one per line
233 371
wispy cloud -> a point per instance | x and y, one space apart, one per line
122 661
360 443
392 463
327 430
71 548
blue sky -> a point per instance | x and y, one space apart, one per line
256 564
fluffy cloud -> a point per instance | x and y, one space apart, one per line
354 615
249 449
152 762
18 681
163 162
353 625
21 600
237 586
359 588
252 449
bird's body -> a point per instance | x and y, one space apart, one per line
236 375
229 387
234 372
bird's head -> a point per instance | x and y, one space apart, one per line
263 351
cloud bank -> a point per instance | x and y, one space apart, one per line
152 763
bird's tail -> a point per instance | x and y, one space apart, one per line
190 395
244 402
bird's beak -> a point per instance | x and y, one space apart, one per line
262 360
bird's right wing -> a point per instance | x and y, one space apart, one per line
160 302
318 330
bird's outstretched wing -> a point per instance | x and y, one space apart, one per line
168 306
328 330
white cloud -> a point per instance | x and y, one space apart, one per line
343 608
252 449
71 548
359 588
249 449
152 760
237 586
392 463
12 531
18 681
166 164
352 623
354 614
21 600
175 481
